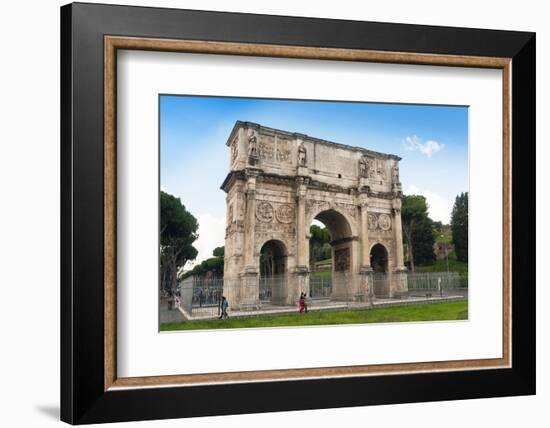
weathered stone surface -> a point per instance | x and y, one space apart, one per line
279 182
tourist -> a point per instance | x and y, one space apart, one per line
305 302
225 305
302 303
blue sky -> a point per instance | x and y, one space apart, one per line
432 140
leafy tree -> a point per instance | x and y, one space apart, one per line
319 244
459 226
417 228
178 231
218 252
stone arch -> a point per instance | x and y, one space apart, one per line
273 194
344 251
281 241
380 263
277 253
314 214
273 270
342 237
379 258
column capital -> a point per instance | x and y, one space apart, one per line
396 204
302 180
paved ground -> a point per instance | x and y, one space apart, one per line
316 305
456 292
167 315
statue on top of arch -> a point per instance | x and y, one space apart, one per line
364 167
302 155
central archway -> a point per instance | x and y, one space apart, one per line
273 269
334 285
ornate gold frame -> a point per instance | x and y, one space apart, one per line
113 43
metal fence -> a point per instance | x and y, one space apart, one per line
268 285
381 284
202 297
320 286
434 283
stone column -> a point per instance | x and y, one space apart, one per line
399 287
301 227
247 294
365 245
365 279
397 233
302 243
250 224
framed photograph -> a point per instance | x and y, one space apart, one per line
275 213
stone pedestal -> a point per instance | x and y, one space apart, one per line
363 182
366 287
398 286
247 293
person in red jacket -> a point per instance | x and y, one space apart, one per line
302 302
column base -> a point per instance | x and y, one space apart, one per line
246 292
399 288
302 284
366 286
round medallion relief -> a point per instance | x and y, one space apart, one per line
285 214
264 211
384 221
373 221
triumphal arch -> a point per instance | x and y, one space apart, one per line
278 183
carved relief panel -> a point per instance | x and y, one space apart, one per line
264 212
341 259
274 149
275 218
380 221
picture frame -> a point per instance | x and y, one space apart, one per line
91 391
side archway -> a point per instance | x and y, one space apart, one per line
273 269
379 261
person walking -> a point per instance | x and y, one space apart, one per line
224 306
201 297
302 303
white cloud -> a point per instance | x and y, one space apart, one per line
211 235
428 148
439 207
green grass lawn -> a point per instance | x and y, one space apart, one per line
423 312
